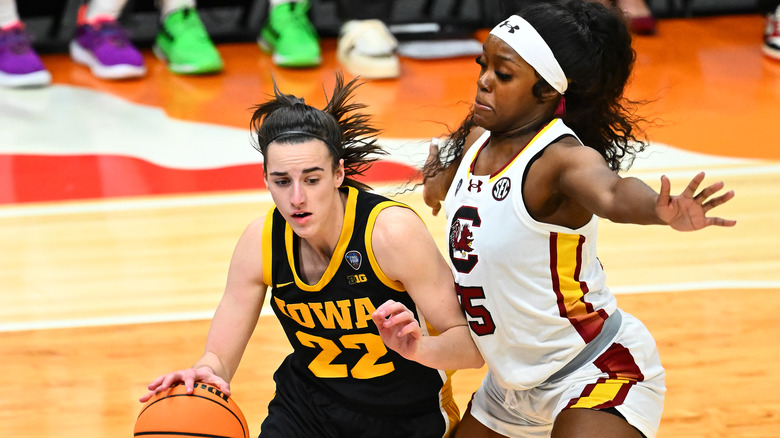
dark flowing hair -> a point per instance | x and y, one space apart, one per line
348 133
593 46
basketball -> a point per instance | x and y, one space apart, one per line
205 412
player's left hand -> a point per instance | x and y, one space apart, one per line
688 211
398 328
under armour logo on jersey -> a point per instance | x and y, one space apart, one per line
510 28
501 189
475 185
354 259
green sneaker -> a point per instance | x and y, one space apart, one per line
290 36
184 44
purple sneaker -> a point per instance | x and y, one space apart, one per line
105 48
20 66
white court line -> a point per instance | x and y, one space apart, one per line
105 321
718 171
198 200
106 205
207 315
694 286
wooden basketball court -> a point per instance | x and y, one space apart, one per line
109 277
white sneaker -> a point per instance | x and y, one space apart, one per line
772 35
366 48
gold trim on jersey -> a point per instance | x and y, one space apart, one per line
503 170
449 407
338 253
268 247
397 285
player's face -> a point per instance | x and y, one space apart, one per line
304 185
505 101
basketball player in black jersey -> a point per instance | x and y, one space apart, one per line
332 253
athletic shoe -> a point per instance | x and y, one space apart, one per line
290 36
185 45
366 48
20 66
772 35
104 47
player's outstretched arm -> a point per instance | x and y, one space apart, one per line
584 177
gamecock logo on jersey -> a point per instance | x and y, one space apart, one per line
461 238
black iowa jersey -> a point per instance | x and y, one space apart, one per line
337 347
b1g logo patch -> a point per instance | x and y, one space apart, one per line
501 189
354 259
355 279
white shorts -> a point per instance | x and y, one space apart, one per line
626 375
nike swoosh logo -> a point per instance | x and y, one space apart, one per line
284 284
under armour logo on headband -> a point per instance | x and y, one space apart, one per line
511 29
526 41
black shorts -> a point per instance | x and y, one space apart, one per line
302 411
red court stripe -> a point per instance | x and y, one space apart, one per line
40 178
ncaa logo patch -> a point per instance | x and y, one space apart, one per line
354 259
501 189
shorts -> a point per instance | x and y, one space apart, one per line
626 376
299 410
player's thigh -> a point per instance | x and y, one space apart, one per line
470 427
590 423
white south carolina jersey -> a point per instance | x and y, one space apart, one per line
534 293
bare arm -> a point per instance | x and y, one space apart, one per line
233 322
585 177
239 309
407 253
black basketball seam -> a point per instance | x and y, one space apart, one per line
199 396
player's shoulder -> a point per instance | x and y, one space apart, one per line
397 215
474 135
396 223
254 230
567 149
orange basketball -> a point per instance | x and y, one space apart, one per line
205 412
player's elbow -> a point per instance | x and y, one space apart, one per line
476 361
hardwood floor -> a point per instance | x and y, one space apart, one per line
100 295
720 354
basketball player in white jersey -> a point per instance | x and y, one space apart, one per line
523 181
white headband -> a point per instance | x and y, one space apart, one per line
527 42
